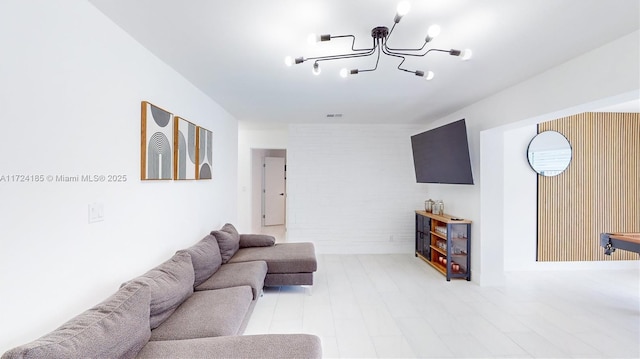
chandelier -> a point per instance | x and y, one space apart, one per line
381 36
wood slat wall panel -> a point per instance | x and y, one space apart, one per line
599 191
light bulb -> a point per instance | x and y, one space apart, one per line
288 61
403 8
429 75
432 32
344 73
466 54
316 69
312 39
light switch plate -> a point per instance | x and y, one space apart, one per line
96 212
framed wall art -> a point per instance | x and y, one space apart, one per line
205 154
185 158
156 145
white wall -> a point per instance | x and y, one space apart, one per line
71 83
520 199
351 188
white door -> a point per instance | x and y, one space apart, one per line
273 194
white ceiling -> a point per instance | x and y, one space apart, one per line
234 51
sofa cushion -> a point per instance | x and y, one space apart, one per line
229 228
244 346
228 241
208 313
256 240
238 274
205 257
171 283
116 328
282 257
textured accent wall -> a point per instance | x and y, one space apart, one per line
599 192
352 188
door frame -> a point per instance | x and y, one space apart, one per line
283 191
256 184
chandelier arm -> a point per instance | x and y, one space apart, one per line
392 52
377 60
438 50
368 52
391 31
342 56
353 42
392 49
401 62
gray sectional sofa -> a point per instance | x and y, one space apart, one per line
194 305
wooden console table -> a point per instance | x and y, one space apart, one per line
444 241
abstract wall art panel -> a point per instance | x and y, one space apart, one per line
205 154
184 153
156 147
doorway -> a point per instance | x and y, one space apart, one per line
273 191
268 190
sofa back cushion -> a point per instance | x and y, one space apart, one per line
116 328
228 241
171 283
205 257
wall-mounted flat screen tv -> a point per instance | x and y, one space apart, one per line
441 155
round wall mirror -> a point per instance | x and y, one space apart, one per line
549 153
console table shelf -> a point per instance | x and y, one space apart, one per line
444 241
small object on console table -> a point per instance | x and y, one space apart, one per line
625 241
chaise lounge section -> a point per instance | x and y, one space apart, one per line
194 305
287 263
